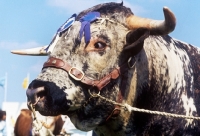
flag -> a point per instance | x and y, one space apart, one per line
25 83
2 81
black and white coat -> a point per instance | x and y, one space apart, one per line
165 78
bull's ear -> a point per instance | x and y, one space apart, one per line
135 40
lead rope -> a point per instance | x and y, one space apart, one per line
129 108
38 125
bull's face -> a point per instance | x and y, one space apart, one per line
55 91
108 41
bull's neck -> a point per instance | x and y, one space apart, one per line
118 126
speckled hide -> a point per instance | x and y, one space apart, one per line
167 79
164 77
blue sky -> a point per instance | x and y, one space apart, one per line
26 24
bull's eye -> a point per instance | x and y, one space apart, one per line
99 45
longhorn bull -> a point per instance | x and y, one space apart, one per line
106 57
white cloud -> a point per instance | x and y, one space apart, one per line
16 45
136 9
76 6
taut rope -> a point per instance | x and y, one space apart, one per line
130 108
38 125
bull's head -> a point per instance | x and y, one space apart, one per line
79 66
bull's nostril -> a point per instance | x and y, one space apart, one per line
36 94
42 94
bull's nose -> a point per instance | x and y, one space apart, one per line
34 94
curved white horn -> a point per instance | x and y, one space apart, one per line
39 51
156 27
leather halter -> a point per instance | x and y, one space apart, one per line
79 75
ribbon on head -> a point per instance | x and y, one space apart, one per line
85 24
67 24
85 27
64 27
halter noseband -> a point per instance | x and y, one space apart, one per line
79 75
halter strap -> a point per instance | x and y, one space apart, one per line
79 75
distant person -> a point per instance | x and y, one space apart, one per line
3 129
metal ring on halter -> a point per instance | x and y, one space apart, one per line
94 95
129 62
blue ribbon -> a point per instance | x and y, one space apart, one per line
85 24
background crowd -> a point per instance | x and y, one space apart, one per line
3 129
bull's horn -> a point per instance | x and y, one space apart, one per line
156 27
39 51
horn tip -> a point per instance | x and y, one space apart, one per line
165 8
16 52
169 17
